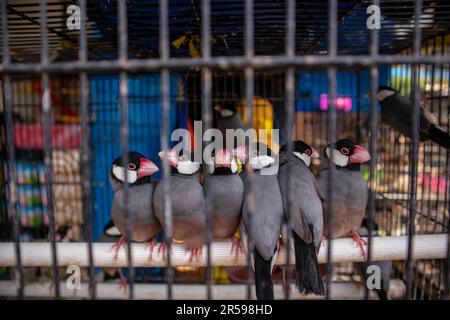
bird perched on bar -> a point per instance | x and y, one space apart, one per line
299 190
385 266
397 112
138 209
262 215
224 192
350 192
187 200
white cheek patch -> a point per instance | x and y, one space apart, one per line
234 166
260 162
383 94
188 167
211 168
121 172
226 113
304 157
339 159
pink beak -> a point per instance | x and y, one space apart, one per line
360 155
314 154
146 168
223 159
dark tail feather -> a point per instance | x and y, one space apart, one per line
263 278
439 136
382 294
307 267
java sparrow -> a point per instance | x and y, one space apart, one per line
300 197
385 266
224 192
262 215
228 118
350 193
187 200
137 172
397 112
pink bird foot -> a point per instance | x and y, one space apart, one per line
236 246
116 246
151 245
163 249
196 253
123 281
359 241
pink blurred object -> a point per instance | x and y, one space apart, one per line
31 136
434 183
342 103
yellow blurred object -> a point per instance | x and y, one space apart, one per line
179 42
262 119
220 276
192 49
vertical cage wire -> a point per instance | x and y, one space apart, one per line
331 75
415 148
124 133
165 102
373 143
289 108
85 152
48 148
207 124
249 93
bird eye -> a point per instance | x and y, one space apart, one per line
344 151
131 166
308 152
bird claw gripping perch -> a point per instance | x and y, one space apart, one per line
116 246
163 248
236 246
151 246
123 281
359 242
196 253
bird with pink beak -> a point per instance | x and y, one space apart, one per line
224 192
350 190
138 208
187 200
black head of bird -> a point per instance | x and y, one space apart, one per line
385 92
181 161
347 154
222 162
137 170
260 156
302 151
225 109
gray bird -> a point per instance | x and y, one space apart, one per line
350 191
228 118
137 172
305 212
188 202
224 192
385 266
262 217
397 112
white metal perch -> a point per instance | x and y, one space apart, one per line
343 250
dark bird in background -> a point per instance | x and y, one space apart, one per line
187 199
305 212
262 218
385 266
137 172
224 192
397 112
228 118
350 193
